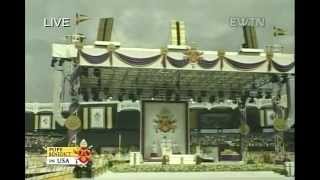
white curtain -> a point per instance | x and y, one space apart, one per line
57 93
291 100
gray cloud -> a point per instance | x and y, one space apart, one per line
145 23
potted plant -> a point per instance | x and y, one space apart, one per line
280 125
165 159
244 130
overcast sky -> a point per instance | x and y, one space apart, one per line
145 24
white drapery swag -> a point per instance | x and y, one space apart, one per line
141 53
61 51
129 105
57 96
64 51
259 103
291 101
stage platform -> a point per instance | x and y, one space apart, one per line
203 163
263 175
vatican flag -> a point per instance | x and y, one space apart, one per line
279 31
80 18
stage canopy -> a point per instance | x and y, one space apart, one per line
148 71
177 60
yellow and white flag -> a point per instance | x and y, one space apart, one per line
279 31
80 18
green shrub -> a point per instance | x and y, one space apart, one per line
110 164
281 171
198 160
250 161
165 160
196 168
115 162
267 158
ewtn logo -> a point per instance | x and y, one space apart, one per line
247 21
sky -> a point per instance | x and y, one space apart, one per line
145 24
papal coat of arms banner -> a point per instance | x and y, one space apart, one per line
45 121
164 121
97 117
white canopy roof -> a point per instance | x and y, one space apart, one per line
141 54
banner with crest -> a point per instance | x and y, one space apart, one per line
165 128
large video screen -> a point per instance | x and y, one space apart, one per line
218 120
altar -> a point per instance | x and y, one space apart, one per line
182 159
167 148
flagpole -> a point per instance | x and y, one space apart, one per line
76 29
273 45
76 24
119 143
75 138
272 39
79 18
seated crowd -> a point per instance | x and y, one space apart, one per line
36 143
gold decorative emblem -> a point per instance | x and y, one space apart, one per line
165 121
163 51
73 122
269 55
244 129
193 55
221 53
280 124
111 47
